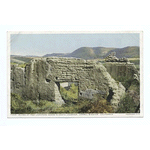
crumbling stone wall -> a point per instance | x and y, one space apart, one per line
17 80
41 78
121 69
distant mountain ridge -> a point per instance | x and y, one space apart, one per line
56 54
24 56
99 52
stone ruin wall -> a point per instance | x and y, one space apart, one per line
41 78
120 67
123 69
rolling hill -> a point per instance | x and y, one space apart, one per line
19 59
99 52
86 53
128 52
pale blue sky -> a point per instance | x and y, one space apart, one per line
41 44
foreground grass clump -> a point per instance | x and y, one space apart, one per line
18 106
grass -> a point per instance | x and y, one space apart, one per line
19 106
71 94
19 65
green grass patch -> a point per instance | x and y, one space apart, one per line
71 94
19 65
98 105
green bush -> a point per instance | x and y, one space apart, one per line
127 105
96 105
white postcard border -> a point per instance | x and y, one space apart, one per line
93 115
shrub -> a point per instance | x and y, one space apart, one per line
97 105
127 105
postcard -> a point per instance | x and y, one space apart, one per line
75 74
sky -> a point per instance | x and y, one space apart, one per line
41 44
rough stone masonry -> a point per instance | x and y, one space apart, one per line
40 80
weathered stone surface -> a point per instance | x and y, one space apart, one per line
123 69
135 96
58 98
89 93
118 90
41 79
17 80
